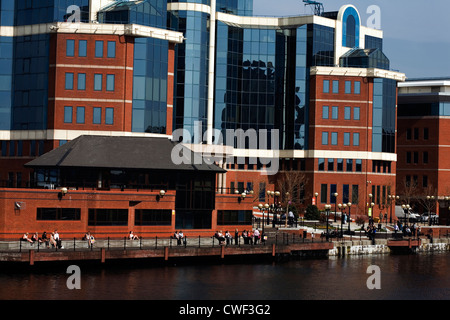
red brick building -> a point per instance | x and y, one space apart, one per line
423 163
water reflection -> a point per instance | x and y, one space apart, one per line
402 277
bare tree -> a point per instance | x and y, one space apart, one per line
428 198
292 186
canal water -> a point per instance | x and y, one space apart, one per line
398 277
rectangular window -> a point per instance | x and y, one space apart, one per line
349 165
357 89
358 165
81 84
425 157
425 134
345 193
334 113
325 138
325 112
110 79
346 138
108 217
97 116
416 157
408 134
68 114
109 116
153 217
111 49
347 113
321 162
333 190
416 133
340 165
72 214
425 181
70 48
408 157
99 49
326 86
98 82
348 87
69 81
356 139
356 113
355 194
334 138
80 114
82 48
323 193
335 86
330 164
234 217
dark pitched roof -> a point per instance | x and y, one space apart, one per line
145 153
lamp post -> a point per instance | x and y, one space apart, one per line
430 200
335 204
261 209
327 208
316 194
349 221
288 202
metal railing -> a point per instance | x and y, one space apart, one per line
154 243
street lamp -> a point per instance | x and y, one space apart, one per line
316 194
288 202
349 221
261 209
335 203
327 208
430 200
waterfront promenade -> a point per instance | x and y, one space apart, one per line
280 242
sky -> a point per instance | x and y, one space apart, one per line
416 33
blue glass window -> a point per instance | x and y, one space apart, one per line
81 84
330 164
340 166
334 113
349 165
326 86
357 88
347 113
358 165
98 49
335 86
97 116
325 112
111 53
82 48
346 138
80 114
334 138
109 116
356 139
68 114
98 82
325 138
321 163
333 190
348 87
69 81
356 113
70 48
110 79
